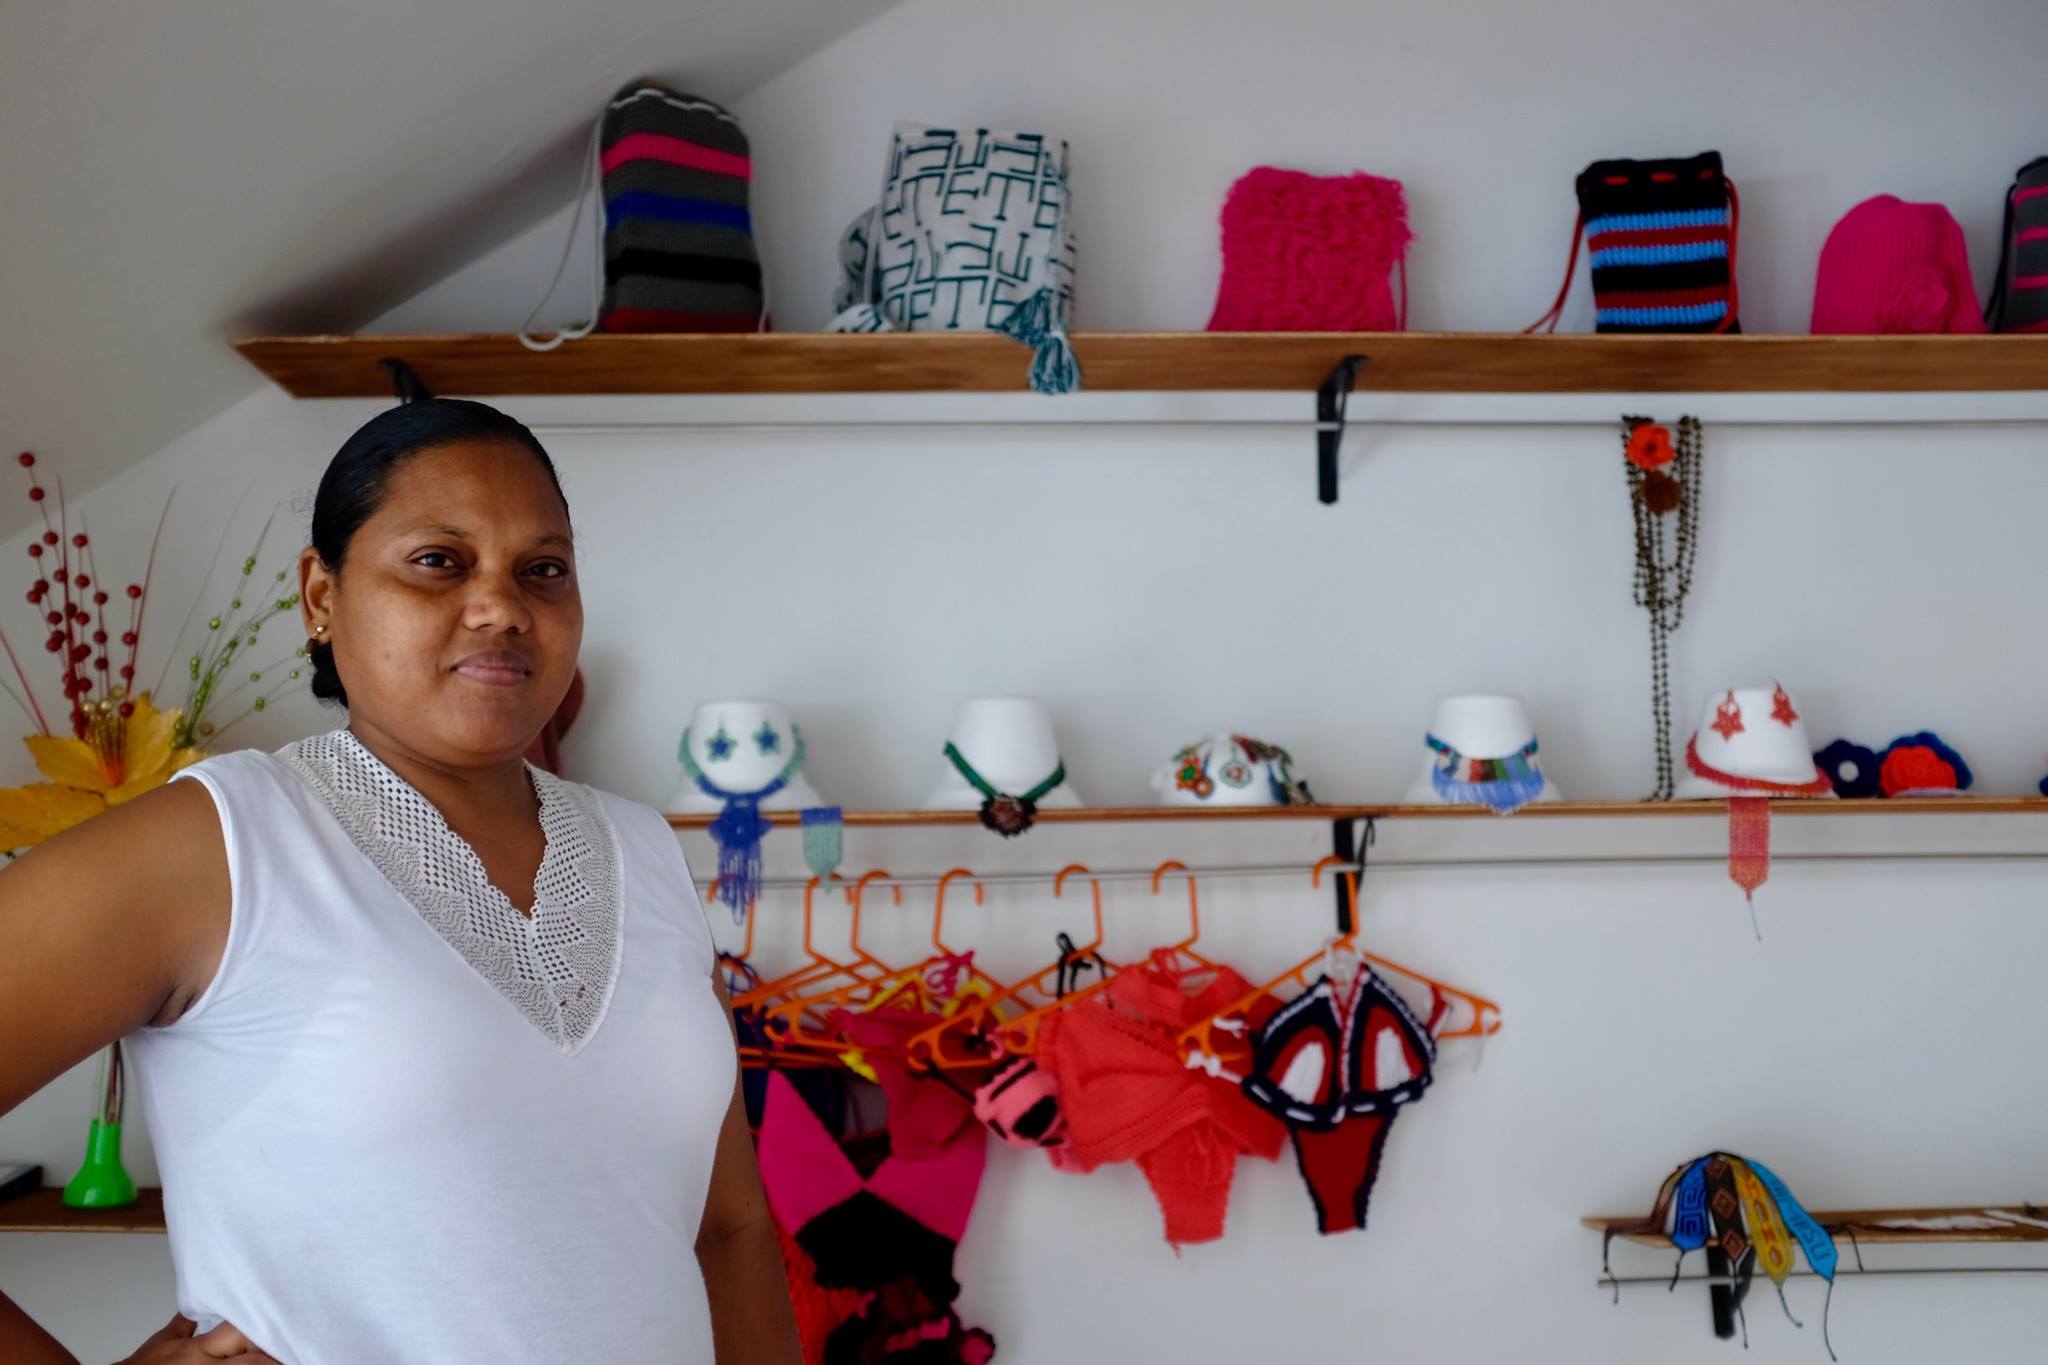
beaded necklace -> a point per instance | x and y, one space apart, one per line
1663 572
1007 815
740 826
1820 785
1504 784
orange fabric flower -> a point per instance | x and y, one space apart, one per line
1649 446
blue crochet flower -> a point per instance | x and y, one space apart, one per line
1850 767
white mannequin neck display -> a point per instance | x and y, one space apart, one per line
1485 726
736 729
1752 744
1011 743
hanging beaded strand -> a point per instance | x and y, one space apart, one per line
1657 489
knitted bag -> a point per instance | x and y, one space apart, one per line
678 238
1311 253
2019 293
676 249
972 232
1661 238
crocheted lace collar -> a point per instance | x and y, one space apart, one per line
557 966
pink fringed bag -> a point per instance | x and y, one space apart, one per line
1311 253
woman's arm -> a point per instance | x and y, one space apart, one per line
116 924
751 1320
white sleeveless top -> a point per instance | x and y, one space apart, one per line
406 1122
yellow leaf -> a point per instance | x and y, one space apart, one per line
68 762
29 815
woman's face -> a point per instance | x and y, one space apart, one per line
456 618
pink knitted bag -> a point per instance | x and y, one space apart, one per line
1309 253
1891 266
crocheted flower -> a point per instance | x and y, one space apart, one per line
1661 493
1919 302
1850 767
1922 763
1649 446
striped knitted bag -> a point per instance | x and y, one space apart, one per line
2019 294
1661 239
676 246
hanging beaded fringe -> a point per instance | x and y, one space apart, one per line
1503 796
1749 847
738 831
1035 322
823 844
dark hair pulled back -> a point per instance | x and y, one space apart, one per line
358 476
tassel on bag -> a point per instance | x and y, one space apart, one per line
1054 368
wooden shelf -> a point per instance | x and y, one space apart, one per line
1407 362
1982 1224
44 1211
1931 805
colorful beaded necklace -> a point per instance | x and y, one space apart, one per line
1505 785
740 827
1007 815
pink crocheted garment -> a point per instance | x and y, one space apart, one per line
1310 253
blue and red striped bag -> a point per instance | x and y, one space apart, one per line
1660 236
2019 295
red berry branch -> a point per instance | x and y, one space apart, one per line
74 613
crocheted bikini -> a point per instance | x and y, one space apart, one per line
1335 1067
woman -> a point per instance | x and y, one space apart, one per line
430 1043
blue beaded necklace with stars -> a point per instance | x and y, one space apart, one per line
740 826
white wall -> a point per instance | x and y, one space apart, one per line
1876 1048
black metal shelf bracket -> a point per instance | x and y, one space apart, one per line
1331 400
1349 840
405 382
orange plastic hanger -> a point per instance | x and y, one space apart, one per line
1483 1016
943 970
964 1041
1020 1035
816 966
754 999
870 977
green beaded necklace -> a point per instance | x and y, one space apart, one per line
1007 815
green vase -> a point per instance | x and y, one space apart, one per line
103 1182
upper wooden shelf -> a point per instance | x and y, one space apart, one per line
1407 362
1928 805
2003 1223
44 1211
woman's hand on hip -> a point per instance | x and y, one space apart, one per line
176 1344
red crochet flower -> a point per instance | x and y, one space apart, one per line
1915 768
1649 446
